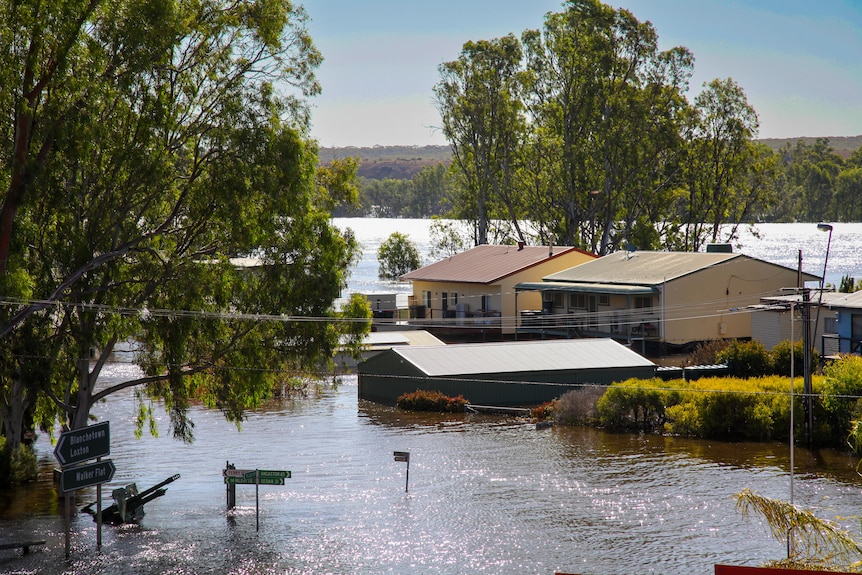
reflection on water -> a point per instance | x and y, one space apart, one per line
486 495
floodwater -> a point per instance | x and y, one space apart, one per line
485 494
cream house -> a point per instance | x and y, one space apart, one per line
475 290
670 298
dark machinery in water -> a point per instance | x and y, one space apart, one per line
128 505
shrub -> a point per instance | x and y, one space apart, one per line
17 467
781 355
635 405
705 353
421 400
715 407
746 359
840 394
579 406
544 412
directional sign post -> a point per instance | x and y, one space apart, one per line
83 444
76 446
404 456
73 478
254 477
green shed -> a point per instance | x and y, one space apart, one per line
520 373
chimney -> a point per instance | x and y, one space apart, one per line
520 246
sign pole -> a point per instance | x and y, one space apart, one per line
257 499
404 456
99 514
68 528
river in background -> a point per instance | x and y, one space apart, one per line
486 494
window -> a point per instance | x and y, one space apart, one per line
642 301
604 299
577 301
558 299
426 299
486 302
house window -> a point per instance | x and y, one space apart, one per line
604 299
558 299
426 299
642 301
577 301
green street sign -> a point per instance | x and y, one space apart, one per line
269 473
82 444
73 478
251 481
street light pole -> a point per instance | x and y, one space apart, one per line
808 355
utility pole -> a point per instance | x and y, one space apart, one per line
808 391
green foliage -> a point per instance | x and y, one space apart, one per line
446 239
708 408
746 358
421 400
731 408
17 465
781 358
849 284
813 544
841 393
635 405
397 256
166 186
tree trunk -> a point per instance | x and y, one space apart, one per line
12 414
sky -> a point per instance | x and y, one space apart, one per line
798 61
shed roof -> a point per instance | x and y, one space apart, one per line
512 357
487 264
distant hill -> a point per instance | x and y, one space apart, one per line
397 162
843 145
404 162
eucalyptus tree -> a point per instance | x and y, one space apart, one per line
613 102
160 187
728 177
478 97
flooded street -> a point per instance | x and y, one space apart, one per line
486 495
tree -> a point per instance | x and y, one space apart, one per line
727 177
160 187
397 256
446 239
812 543
479 103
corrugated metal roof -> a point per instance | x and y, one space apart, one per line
509 357
845 300
641 268
487 264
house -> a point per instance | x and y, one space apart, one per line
519 373
773 323
846 316
474 290
668 298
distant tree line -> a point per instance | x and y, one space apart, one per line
583 129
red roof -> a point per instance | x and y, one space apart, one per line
487 264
